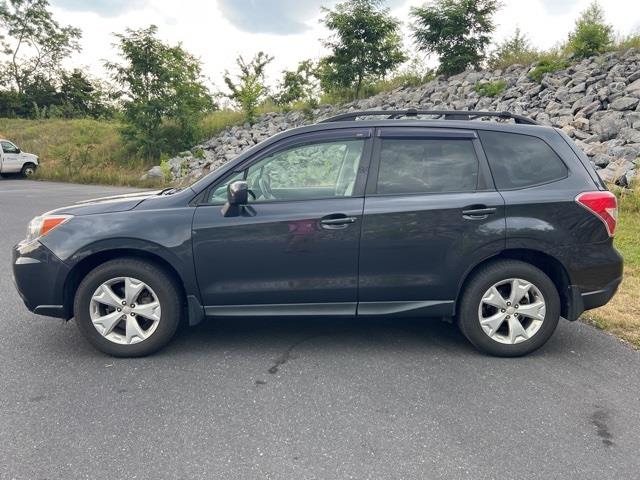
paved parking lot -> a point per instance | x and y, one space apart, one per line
303 399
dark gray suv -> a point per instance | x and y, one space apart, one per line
503 226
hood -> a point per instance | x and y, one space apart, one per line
29 156
115 203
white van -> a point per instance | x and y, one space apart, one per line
14 160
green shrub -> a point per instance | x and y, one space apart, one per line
591 34
490 89
166 170
630 41
548 63
515 50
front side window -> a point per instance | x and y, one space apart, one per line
519 161
427 166
8 147
319 170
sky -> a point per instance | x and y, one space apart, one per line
217 31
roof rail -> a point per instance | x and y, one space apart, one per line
446 114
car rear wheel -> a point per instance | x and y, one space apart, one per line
28 170
509 308
128 307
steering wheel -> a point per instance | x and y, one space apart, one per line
264 182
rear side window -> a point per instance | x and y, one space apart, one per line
519 161
427 166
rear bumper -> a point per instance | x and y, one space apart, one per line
39 278
595 272
583 301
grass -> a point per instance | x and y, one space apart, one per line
490 89
548 63
92 151
621 316
79 150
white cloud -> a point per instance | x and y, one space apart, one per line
207 31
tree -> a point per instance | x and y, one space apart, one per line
34 42
365 45
298 85
249 89
516 49
458 31
591 34
160 83
80 96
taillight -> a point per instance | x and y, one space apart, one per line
603 204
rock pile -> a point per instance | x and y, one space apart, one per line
596 102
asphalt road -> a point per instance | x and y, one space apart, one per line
303 399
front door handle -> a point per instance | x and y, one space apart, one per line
478 213
336 221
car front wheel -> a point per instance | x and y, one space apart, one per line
128 307
28 170
509 308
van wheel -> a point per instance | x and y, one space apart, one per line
28 170
509 308
128 307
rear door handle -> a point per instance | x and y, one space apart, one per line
478 213
337 221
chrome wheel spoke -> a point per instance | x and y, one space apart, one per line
519 288
516 330
134 332
132 289
494 322
150 311
106 323
106 296
494 297
535 310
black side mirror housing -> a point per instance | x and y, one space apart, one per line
237 197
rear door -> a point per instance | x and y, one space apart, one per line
431 213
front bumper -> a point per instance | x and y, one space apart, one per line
39 277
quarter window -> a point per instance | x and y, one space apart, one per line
519 161
427 166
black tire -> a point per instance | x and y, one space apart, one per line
468 318
28 170
163 285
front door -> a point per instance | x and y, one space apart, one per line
294 248
431 213
11 162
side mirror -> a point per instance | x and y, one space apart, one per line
238 193
237 197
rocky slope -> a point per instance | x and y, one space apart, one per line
596 102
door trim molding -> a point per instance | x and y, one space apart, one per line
417 307
430 308
282 310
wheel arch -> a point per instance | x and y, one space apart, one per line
91 261
550 265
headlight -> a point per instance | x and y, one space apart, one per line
40 226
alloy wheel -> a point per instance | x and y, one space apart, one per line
512 311
125 310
